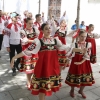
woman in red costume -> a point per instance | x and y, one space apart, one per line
27 37
80 71
91 38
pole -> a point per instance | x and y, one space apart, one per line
78 14
3 6
39 6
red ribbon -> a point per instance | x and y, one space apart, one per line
16 28
0 20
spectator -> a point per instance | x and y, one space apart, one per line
82 26
74 27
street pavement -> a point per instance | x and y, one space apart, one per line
14 87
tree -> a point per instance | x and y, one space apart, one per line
39 6
78 13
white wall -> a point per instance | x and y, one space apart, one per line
22 5
70 6
44 7
88 12
0 5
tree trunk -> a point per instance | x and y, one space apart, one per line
39 6
78 14
3 6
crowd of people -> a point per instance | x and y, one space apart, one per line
43 52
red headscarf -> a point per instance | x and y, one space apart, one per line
16 28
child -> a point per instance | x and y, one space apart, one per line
91 38
80 71
27 37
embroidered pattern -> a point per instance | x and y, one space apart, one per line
31 35
22 35
79 80
47 46
45 83
61 34
31 47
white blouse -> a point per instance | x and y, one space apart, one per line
35 47
11 36
94 35
24 33
2 26
55 28
70 54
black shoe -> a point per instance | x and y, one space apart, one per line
16 66
14 73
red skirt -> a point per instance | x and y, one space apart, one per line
28 63
93 50
62 54
80 75
62 58
46 78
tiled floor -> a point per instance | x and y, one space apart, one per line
14 88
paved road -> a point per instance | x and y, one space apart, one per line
14 88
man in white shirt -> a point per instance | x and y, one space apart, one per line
12 41
1 28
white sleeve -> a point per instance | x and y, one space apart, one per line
70 53
23 36
63 17
6 41
43 19
6 29
70 33
88 53
62 47
96 36
33 48
6 23
54 27
36 30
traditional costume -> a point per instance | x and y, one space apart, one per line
28 63
46 77
80 75
61 34
39 28
61 54
91 38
